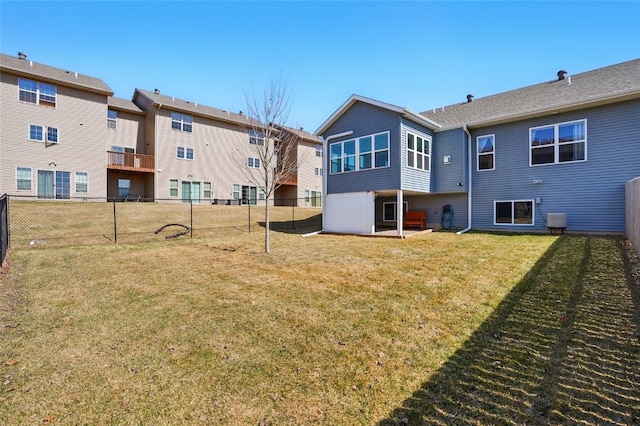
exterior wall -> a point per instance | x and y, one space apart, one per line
433 205
414 179
220 153
632 197
129 132
80 118
307 178
349 213
446 177
591 193
364 119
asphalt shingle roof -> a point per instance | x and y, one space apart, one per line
123 104
604 85
28 68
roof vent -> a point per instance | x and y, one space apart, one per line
240 113
469 98
22 55
562 74
156 91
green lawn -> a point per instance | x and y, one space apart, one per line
336 330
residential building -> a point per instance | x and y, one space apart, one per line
52 131
64 135
503 162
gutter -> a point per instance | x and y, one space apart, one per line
325 171
469 179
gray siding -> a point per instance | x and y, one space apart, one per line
446 177
414 179
364 119
591 193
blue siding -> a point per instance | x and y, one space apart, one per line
365 119
590 192
414 179
447 176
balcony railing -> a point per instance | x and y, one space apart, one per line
130 162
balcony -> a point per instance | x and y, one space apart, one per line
292 179
130 162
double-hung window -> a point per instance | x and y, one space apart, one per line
418 152
112 116
366 152
23 179
186 153
558 143
82 181
173 187
182 122
253 163
256 138
206 188
37 93
486 151
43 133
318 150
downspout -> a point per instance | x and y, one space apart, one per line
155 153
469 180
325 171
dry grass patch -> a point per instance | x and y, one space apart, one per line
326 329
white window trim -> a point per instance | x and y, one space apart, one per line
357 153
193 153
75 183
478 154
38 93
395 210
112 120
556 143
30 179
45 134
181 121
533 211
415 152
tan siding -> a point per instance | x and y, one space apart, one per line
80 119
307 179
129 132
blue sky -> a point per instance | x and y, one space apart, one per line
419 54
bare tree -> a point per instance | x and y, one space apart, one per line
272 146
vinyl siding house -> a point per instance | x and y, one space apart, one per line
63 135
503 162
52 131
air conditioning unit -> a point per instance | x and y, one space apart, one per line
556 221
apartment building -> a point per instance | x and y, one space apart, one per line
64 135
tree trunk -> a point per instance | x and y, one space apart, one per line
266 226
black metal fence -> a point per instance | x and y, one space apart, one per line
84 221
4 227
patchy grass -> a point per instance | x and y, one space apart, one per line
435 329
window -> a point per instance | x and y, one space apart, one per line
42 133
486 147
206 188
253 162
418 152
63 185
261 193
23 179
316 199
111 119
249 195
182 122
306 196
513 212
256 138
173 187
236 191
183 152
389 210
81 182
318 150
318 171
124 185
371 151
558 143
37 93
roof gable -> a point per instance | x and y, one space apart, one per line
353 99
610 84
